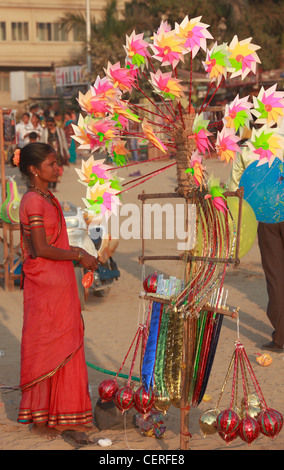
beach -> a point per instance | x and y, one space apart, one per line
111 322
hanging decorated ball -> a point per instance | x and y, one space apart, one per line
107 390
248 228
263 190
248 429
124 398
252 411
162 403
229 437
252 399
207 422
143 401
270 422
150 283
227 422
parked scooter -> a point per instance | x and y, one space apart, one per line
94 239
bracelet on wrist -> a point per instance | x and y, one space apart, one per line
80 255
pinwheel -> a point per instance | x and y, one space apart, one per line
168 48
269 106
84 101
119 152
119 76
105 90
243 58
226 145
196 169
201 134
216 193
166 85
122 114
237 113
103 199
216 63
136 49
150 135
266 145
81 134
101 131
194 34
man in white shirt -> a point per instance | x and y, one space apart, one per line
22 131
35 126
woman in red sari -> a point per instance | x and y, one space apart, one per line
54 380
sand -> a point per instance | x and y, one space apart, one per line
110 325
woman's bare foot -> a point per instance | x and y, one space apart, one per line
40 429
87 428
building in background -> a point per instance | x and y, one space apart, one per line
34 49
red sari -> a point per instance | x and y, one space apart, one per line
54 379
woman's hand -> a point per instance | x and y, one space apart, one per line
88 261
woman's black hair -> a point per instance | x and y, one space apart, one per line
33 154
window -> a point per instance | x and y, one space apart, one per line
4 81
51 32
20 32
2 31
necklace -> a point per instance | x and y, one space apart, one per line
49 196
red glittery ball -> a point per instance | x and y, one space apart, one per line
107 390
143 401
124 398
270 422
229 437
248 429
227 422
150 283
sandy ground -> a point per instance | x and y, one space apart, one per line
111 323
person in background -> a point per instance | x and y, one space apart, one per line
35 126
33 137
54 376
22 130
55 137
68 130
271 245
58 117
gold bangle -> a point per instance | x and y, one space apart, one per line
80 255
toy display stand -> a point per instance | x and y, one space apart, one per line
188 353
10 252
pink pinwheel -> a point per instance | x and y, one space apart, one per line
101 131
237 114
226 145
93 170
164 84
104 90
119 76
196 169
243 58
266 145
269 106
194 34
167 48
102 198
99 108
85 139
216 193
201 134
216 62
164 27
136 49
